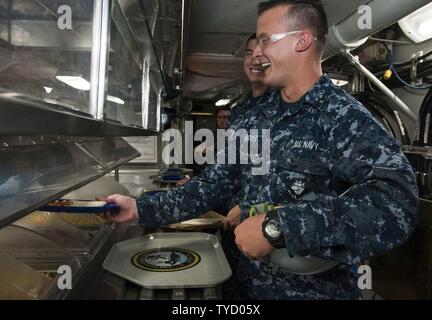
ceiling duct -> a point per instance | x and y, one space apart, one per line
349 34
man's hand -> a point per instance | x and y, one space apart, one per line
128 209
232 220
250 239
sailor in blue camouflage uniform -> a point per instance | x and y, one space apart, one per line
254 72
345 190
233 288
245 108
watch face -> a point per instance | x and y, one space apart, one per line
273 229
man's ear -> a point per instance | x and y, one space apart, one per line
304 41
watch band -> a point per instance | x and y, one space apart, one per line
275 242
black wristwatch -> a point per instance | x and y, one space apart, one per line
272 230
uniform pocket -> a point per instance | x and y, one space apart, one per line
302 176
310 163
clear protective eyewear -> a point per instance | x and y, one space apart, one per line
275 37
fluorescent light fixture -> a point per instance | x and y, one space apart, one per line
115 100
339 83
48 89
222 102
75 82
418 25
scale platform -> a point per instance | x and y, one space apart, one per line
170 260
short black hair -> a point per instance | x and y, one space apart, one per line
304 13
223 109
253 36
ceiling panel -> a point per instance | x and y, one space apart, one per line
222 26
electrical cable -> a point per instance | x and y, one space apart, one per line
428 119
393 69
406 83
423 57
370 86
424 70
407 63
381 107
424 111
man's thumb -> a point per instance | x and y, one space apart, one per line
112 198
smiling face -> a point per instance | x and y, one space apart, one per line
253 67
282 56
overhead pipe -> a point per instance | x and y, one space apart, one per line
180 72
183 35
99 57
348 33
399 103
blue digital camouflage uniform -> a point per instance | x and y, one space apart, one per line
242 110
346 189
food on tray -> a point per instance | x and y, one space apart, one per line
76 203
57 203
79 206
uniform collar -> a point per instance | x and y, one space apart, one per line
269 106
315 97
260 99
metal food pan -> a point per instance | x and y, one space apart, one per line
170 260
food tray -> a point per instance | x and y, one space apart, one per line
209 220
170 260
80 206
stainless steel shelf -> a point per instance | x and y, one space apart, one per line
25 116
31 176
